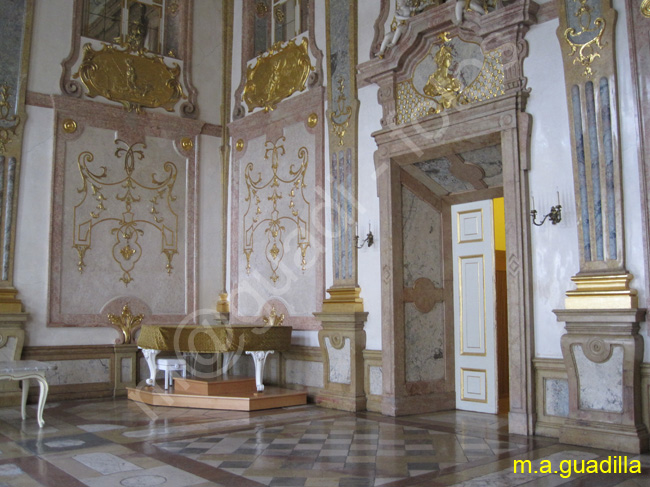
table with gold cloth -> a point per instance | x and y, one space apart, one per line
257 341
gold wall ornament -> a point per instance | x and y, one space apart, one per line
187 143
277 74
414 104
312 120
279 14
69 126
126 323
9 121
261 9
441 83
296 211
340 117
139 206
645 8
131 76
586 51
273 319
239 145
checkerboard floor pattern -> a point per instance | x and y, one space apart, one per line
338 452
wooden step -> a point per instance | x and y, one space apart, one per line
214 387
272 397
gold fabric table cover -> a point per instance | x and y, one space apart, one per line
214 339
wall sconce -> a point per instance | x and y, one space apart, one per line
370 238
555 215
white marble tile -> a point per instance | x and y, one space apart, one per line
105 463
10 470
64 443
165 476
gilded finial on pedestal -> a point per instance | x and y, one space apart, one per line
273 319
126 323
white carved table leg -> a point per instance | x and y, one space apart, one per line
41 398
150 356
227 362
23 404
259 357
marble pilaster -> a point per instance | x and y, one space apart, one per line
342 340
602 352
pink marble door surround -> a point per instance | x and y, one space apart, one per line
499 118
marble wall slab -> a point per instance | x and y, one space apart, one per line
601 385
557 397
423 258
87 371
339 361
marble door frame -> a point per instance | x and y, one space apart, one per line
499 121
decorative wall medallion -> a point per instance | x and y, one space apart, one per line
261 9
277 74
9 121
187 143
340 117
135 78
312 120
126 323
69 126
586 37
645 8
129 205
296 211
239 145
453 72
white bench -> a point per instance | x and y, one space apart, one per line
169 365
24 370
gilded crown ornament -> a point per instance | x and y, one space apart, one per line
273 319
126 323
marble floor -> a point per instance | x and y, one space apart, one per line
104 443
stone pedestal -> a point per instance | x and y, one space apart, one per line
125 368
12 338
342 341
602 353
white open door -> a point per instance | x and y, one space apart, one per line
474 306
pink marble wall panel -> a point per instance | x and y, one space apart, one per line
123 214
277 243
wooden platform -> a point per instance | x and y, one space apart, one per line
215 387
272 397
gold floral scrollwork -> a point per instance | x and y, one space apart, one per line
273 319
131 214
277 74
126 323
297 210
131 76
645 8
586 51
340 117
9 121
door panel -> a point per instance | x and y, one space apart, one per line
474 306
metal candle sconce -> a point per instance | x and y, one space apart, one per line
555 215
370 239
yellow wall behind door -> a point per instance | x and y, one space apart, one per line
499 224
